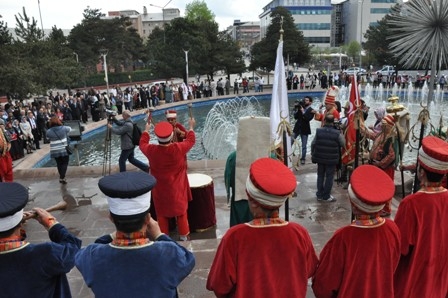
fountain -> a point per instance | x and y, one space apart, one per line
217 140
221 125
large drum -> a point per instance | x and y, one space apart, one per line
201 209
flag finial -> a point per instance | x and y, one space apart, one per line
281 28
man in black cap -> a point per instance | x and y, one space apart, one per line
32 270
137 260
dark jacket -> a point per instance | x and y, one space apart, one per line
124 129
302 126
326 146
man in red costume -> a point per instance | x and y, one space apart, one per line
267 257
6 173
360 259
330 106
169 166
422 218
382 154
180 132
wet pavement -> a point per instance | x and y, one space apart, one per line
87 212
87 217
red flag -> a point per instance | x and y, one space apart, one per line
348 152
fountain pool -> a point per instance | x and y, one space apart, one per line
224 113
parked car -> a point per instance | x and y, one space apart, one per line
387 70
355 70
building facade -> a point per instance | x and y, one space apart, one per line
312 17
358 15
146 22
324 24
245 33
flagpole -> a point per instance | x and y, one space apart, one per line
285 141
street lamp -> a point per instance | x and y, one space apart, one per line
163 15
103 53
76 54
186 65
40 14
360 35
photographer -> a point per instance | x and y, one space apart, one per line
303 113
124 129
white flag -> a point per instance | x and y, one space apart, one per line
279 101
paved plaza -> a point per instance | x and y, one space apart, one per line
87 213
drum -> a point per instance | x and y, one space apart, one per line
201 209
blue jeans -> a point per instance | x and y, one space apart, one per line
325 174
304 139
128 154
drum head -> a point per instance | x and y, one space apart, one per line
199 180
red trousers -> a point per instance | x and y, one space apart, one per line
6 168
182 224
390 171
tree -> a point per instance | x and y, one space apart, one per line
123 44
198 11
208 49
27 29
353 49
295 47
33 64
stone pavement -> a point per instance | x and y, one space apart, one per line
88 218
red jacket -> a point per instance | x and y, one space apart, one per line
169 166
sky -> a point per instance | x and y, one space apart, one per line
66 14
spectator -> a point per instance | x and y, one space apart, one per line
303 113
326 152
124 129
59 140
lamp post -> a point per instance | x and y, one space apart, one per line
40 14
360 35
103 53
76 54
186 66
163 15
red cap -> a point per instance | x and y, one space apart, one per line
170 114
164 132
433 155
389 120
270 182
370 188
332 93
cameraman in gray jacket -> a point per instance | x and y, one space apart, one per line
124 129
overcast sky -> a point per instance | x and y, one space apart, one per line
66 14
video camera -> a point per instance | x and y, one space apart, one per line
299 103
110 113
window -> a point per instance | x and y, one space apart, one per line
380 10
384 1
313 26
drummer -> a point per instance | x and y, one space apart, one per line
30 270
168 162
180 133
